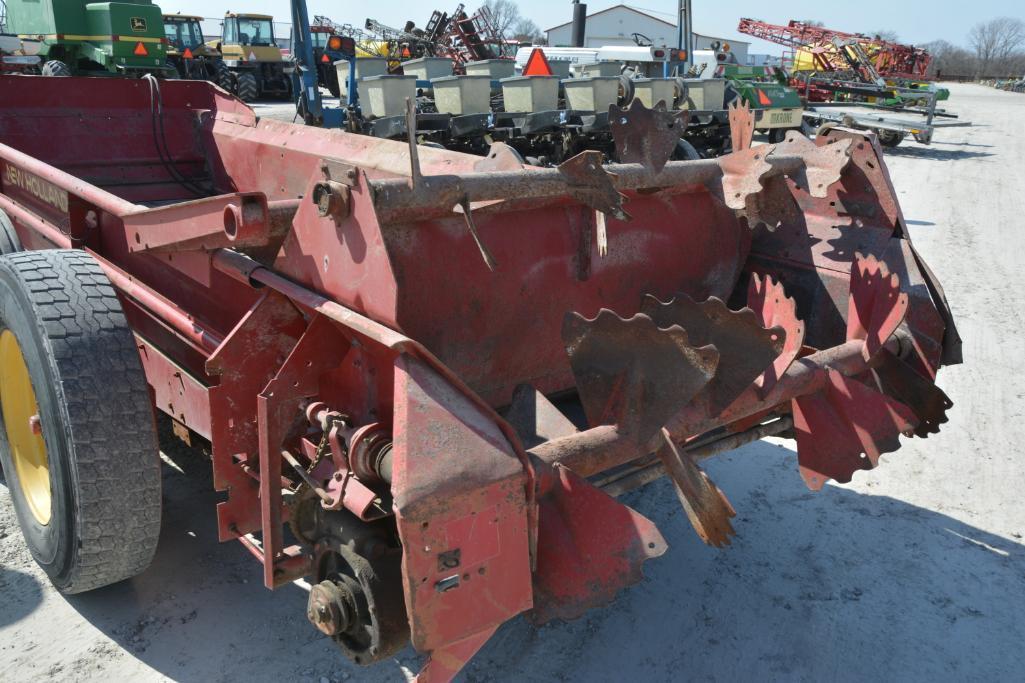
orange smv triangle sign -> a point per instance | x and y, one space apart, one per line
537 64
140 50
187 54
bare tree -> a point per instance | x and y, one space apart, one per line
949 60
504 14
888 35
996 42
526 31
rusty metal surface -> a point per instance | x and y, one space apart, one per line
824 164
845 428
743 174
898 379
646 136
648 469
745 347
633 372
445 663
589 183
399 271
877 305
244 363
706 506
590 547
769 299
742 124
535 418
500 157
445 501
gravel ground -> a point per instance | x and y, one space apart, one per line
913 572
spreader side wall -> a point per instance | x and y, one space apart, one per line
107 133
499 328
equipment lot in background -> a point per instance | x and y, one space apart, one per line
913 572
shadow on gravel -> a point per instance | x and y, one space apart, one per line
21 595
835 586
915 151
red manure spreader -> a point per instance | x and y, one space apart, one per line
426 376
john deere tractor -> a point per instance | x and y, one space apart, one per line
188 57
252 58
92 38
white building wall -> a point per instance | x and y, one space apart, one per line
616 26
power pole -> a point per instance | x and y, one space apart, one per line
579 28
685 31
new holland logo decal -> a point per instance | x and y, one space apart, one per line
138 24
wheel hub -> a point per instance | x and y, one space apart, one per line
24 431
332 607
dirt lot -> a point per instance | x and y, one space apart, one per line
913 572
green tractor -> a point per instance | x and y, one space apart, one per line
188 57
92 38
777 107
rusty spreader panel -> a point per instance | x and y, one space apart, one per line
423 374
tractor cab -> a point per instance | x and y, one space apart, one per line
188 55
252 56
184 35
183 32
249 37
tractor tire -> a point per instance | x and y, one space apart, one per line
681 93
729 95
685 151
171 70
55 67
247 89
777 135
78 442
889 138
9 242
626 91
225 78
824 129
332 84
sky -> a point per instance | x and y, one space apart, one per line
914 22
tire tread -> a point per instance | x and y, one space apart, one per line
111 430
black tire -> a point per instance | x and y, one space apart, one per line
682 93
224 77
685 151
55 67
171 69
729 95
777 135
890 138
96 421
626 91
332 84
9 242
246 86
824 129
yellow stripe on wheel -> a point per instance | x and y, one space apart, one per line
21 419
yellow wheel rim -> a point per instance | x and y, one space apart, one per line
21 419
